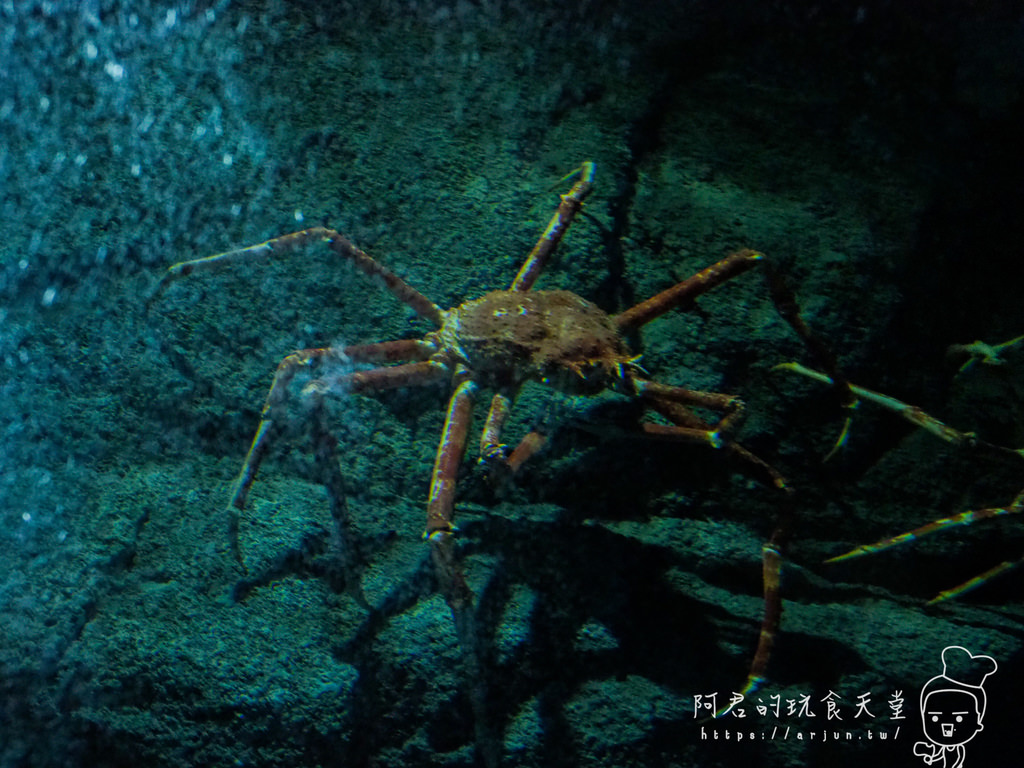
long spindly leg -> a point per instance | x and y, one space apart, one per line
964 518
285 244
420 372
571 204
440 535
440 528
771 552
914 415
684 295
674 404
934 426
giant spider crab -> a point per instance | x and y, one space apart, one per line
502 340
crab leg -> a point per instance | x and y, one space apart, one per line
441 502
673 403
684 295
929 423
408 374
964 518
401 351
913 414
491 447
285 244
977 581
571 204
666 399
493 451
531 443
771 617
451 582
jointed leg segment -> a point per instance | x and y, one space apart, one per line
408 374
285 244
441 501
929 423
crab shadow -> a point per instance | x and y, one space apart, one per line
565 611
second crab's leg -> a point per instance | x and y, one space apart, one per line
1015 507
929 423
913 414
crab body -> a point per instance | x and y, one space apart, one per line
508 337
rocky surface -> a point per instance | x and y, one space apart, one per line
868 149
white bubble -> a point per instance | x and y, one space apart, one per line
114 69
48 296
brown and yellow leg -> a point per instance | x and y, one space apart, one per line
964 518
494 453
771 617
440 535
695 431
440 528
285 244
571 204
410 374
684 295
491 447
674 404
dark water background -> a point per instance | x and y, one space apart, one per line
873 150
